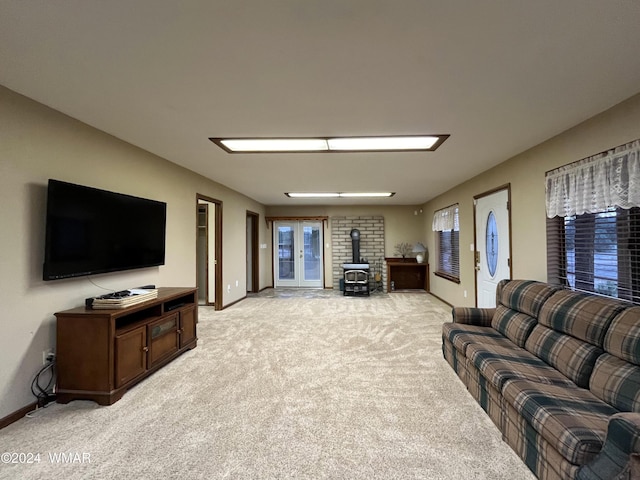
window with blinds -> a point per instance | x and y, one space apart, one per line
449 251
596 252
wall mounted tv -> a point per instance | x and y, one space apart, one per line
91 231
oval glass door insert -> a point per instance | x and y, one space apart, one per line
491 245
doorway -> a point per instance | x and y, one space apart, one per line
492 239
298 254
209 251
253 256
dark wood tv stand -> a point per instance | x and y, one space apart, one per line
102 353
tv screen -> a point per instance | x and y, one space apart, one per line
91 231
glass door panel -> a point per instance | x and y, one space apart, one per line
312 271
286 271
298 259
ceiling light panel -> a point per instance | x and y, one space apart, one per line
371 194
254 145
382 143
339 194
312 195
400 143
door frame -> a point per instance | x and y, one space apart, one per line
253 283
217 302
507 187
299 224
203 208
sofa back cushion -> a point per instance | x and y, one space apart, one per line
623 336
525 296
616 382
514 325
573 357
581 315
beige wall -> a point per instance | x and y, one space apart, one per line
38 143
525 173
401 224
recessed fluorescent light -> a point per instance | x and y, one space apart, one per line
275 144
382 143
374 194
312 195
337 194
333 144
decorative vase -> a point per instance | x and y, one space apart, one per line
419 257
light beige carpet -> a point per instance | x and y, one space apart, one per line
301 385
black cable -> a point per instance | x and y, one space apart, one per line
44 395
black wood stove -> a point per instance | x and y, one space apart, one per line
356 273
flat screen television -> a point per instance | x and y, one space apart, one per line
90 231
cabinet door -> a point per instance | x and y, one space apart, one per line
187 326
164 338
131 355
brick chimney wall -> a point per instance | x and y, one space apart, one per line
371 245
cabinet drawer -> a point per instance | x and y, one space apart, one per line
163 338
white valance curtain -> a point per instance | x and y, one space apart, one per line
446 219
594 184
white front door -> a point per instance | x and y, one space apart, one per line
298 259
492 245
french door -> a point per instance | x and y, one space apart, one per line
493 244
298 260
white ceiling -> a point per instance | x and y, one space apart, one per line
499 76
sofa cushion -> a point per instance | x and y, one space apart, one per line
573 420
514 325
526 296
623 336
616 382
580 315
497 364
461 335
572 357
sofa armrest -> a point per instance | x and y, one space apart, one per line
615 459
473 316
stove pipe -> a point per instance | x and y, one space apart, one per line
355 245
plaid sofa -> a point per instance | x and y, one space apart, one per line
558 372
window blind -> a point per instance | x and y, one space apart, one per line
447 225
596 252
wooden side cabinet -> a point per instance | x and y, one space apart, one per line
102 353
407 275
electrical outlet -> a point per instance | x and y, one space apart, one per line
228 288
48 356
237 282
